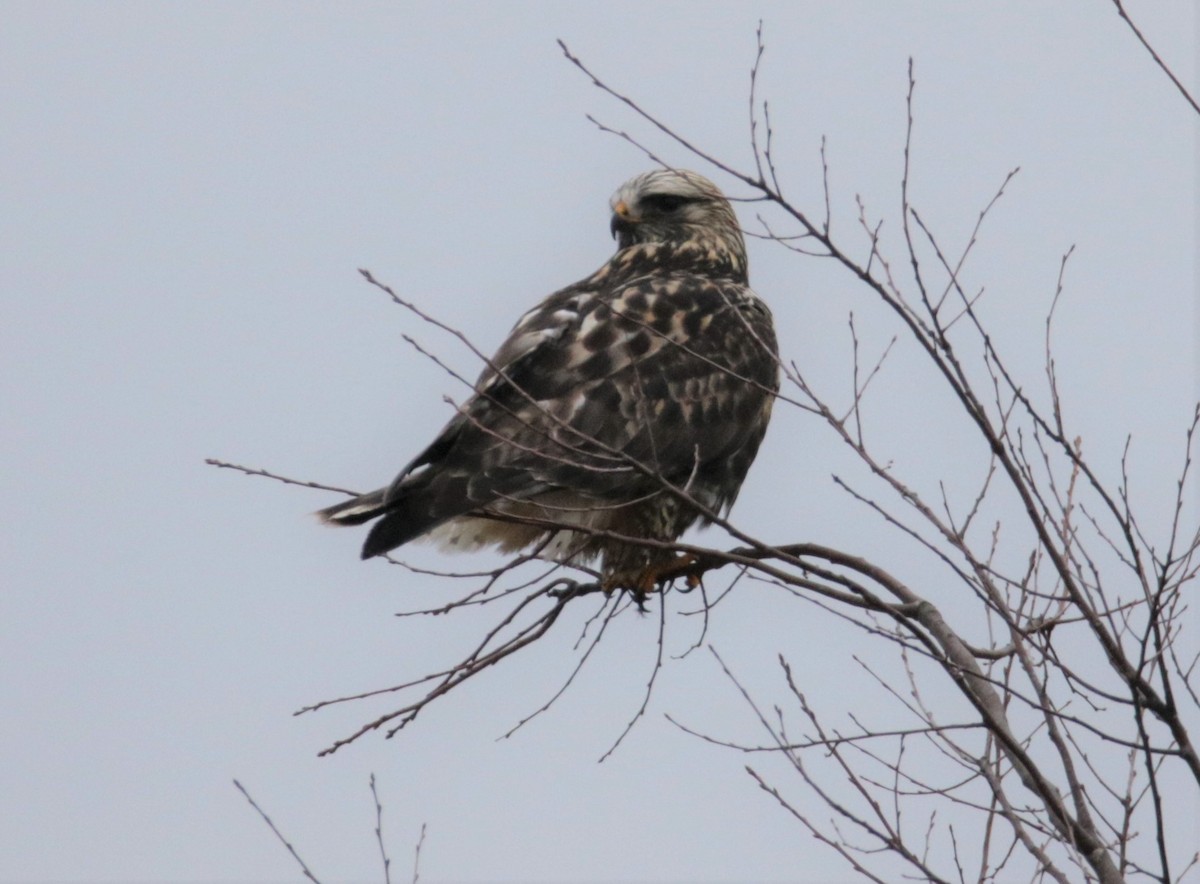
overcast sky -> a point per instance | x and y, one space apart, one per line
186 193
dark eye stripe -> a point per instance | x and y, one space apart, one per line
664 202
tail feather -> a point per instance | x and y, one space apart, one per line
423 503
355 511
401 518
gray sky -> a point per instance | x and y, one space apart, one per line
186 192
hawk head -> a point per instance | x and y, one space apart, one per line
677 206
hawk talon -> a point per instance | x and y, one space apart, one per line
641 582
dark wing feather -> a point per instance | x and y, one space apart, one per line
468 466
675 373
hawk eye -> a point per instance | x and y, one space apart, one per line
664 202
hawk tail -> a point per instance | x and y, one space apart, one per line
401 518
396 528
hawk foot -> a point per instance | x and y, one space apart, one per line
640 582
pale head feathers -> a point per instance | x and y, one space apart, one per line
677 206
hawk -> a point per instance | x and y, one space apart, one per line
616 405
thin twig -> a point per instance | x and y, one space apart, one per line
1157 60
290 849
387 863
416 875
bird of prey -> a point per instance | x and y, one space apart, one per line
628 405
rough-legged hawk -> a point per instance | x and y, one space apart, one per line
611 404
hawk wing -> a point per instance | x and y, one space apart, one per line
672 373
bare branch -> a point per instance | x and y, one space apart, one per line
1157 60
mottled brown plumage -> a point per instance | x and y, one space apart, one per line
661 365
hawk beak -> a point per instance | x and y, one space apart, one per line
622 222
